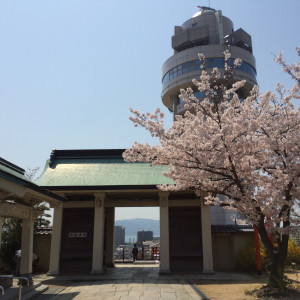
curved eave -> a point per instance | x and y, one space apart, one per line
101 188
30 185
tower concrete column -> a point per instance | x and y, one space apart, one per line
110 237
27 246
164 233
56 241
206 239
98 241
220 26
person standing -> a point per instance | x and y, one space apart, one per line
134 252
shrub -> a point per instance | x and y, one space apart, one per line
11 241
246 260
293 253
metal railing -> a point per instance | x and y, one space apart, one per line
20 283
144 254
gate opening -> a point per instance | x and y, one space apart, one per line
137 235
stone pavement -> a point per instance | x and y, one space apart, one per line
126 281
125 289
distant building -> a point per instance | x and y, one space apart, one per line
119 235
123 253
144 236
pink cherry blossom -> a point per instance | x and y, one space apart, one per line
248 151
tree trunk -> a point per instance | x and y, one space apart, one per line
276 279
276 254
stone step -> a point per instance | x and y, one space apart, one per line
51 293
28 292
35 292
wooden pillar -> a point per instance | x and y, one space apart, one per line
1 224
164 233
2 197
27 246
206 239
98 241
54 266
110 237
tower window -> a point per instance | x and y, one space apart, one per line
209 64
185 68
179 70
191 66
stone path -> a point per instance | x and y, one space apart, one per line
131 281
125 281
125 289
137 281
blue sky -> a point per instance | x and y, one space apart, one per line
70 70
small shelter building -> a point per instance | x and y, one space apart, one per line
19 198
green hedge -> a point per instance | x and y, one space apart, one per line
246 260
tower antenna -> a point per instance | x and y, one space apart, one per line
205 6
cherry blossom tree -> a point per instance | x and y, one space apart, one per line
245 149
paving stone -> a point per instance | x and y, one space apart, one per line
136 284
106 293
168 295
138 288
124 287
150 298
81 297
135 293
185 297
130 298
153 289
110 298
180 290
108 288
126 283
122 293
151 294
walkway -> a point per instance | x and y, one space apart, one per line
125 281
125 289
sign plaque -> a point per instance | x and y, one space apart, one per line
77 234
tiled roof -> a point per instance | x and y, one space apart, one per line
231 228
7 168
102 168
15 174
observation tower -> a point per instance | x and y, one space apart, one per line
210 33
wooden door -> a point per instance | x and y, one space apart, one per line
77 240
185 239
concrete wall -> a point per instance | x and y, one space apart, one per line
41 246
226 248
